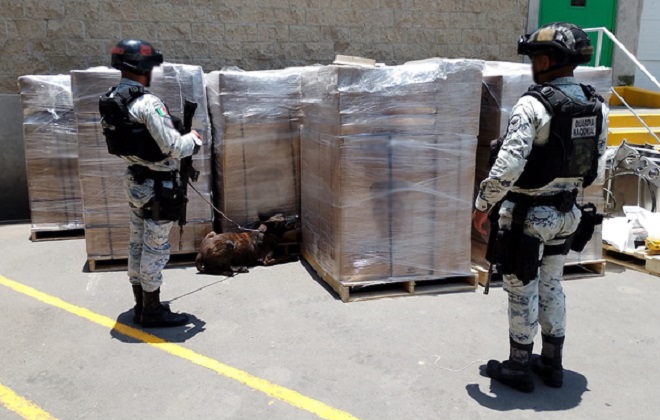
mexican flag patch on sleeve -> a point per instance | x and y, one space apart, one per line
162 111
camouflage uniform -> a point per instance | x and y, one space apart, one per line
149 248
542 299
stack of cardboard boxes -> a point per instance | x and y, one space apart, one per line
102 175
51 153
382 171
388 168
256 128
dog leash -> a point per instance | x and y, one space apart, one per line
219 212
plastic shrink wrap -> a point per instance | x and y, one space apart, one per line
256 118
51 153
388 169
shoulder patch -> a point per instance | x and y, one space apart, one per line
162 111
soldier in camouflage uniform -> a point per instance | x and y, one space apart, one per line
139 129
531 181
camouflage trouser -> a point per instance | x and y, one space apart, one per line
149 247
542 300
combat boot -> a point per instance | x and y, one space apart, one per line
514 372
549 364
155 314
137 309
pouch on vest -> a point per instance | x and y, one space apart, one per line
167 202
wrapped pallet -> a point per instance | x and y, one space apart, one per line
387 170
51 154
256 119
503 84
105 204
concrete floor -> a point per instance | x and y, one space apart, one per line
403 358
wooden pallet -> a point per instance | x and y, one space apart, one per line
121 264
572 271
482 276
581 270
362 291
56 235
638 260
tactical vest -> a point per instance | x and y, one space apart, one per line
572 147
123 136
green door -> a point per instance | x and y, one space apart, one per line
585 14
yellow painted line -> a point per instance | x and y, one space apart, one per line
294 398
21 406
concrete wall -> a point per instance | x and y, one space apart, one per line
13 183
629 14
54 36
648 52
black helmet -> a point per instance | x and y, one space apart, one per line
569 44
135 56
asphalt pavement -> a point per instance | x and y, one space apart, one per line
276 343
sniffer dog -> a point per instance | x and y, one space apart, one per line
232 252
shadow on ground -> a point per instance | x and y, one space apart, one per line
503 398
315 276
125 331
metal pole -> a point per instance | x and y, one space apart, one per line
599 47
628 53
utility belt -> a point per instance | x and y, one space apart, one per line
141 173
167 202
562 201
514 252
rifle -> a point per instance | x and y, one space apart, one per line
186 172
493 218
491 250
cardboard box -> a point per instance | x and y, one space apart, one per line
51 154
388 169
504 83
256 124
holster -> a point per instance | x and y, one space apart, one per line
514 252
588 222
166 203
518 254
